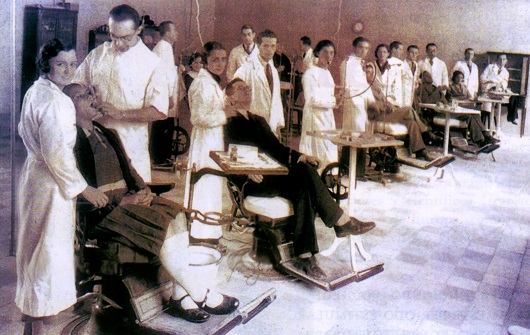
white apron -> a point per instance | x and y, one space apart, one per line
319 91
49 183
207 101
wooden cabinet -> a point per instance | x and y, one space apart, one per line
40 25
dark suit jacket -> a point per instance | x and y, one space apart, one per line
256 132
86 164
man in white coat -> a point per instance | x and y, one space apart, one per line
494 77
130 85
308 58
262 77
357 96
412 75
436 67
397 51
160 144
470 71
242 53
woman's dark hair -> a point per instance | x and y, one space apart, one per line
456 74
321 45
48 51
381 46
194 56
210 47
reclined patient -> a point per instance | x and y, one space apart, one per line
148 224
302 186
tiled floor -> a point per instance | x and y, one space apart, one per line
457 257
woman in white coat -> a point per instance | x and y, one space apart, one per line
319 91
207 103
49 184
388 76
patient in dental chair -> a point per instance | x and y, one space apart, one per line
302 186
151 225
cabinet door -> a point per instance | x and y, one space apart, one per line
48 27
66 28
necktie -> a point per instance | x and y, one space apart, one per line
469 66
500 69
413 68
431 62
268 74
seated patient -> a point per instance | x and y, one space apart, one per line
148 224
302 186
383 110
458 91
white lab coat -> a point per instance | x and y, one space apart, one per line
397 66
164 50
49 184
470 77
319 90
410 82
391 83
263 104
207 102
353 79
496 78
131 80
438 71
238 56
308 60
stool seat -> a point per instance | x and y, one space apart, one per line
274 208
453 122
390 128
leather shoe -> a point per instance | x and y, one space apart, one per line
354 227
229 305
310 267
194 315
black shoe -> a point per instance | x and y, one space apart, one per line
194 315
229 305
354 227
310 267
514 122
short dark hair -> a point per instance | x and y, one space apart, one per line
49 50
395 45
502 54
468 49
455 74
430 45
321 45
230 86
358 40
381 46
210 47
164 27
413 46
123 13
306 40
247 26
194 56
266 34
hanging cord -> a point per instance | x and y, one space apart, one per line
336 36
198 23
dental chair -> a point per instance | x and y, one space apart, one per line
273 222
128 290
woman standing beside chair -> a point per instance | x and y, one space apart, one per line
49 184
207 104
319 90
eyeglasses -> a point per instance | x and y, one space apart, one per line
126 38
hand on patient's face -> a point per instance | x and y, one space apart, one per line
95 197
109 110
239 97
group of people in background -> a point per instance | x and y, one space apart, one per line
122 86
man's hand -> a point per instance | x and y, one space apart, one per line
309 160
280 68
257 178
145 197
95 197
110 111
